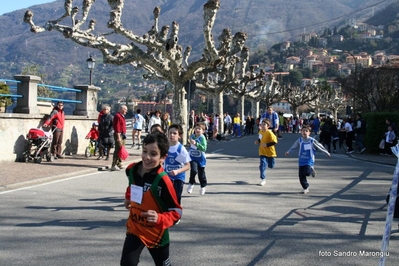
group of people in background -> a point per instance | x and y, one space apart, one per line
156 183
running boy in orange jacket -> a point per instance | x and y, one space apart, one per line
152 203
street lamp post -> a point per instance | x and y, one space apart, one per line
355 81
91 62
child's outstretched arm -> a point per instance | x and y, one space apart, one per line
320 147
293 147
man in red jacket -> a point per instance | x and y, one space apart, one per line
57 121
119 125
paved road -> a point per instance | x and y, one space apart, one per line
80 220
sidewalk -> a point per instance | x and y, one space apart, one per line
17 174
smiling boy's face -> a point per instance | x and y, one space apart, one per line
151 156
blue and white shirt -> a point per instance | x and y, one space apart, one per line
177 158
197 152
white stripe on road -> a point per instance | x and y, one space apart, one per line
48 183
217 151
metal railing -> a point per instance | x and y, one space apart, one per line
51 87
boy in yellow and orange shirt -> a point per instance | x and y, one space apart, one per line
267 151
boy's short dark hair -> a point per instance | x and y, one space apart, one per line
156 126
138 111
267 121
178 127
160 139
201 124
306 127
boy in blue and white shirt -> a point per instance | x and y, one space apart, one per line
178 160
307 147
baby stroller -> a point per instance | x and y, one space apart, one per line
38 146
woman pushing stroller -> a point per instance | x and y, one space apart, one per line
56 121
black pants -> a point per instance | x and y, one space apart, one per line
133 247
195 168
303 172
178 186
349 139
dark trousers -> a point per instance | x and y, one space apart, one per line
360 141
178 185
56 148
116 160
349 139
304 171
195 168
387 148
133 247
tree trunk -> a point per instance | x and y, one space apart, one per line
240 108
180 112
218 107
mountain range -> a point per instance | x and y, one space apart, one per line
265 21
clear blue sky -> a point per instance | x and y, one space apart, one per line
12 5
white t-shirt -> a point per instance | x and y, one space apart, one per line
138 121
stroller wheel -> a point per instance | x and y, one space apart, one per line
49 157
25 158
87 152
38 160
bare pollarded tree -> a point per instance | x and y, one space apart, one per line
297 96
226 77
163 58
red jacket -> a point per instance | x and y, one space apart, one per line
93 134
119 123
57 118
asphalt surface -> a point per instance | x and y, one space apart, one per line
77 218
17 174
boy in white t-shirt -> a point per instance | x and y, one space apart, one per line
137 127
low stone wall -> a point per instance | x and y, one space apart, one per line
14 127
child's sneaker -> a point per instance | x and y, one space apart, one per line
262 182
202 191
190 188
305 191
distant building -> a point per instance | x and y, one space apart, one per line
306 37
285 45
337 38
322 42
362 59
283 107
393 60
379 59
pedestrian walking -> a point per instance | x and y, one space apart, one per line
152 204
306 157
155 119
390 140
106 129
349 134
360 131
119 125
137 128
56 120
198 146
237 125
267 151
